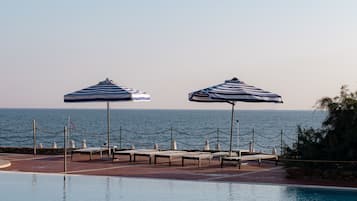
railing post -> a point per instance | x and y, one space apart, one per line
108 129
65 150
68 128
281 142
238 134
253 140
34 138
171 139
120 137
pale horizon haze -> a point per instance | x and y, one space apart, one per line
302 50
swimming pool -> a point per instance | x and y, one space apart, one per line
45 187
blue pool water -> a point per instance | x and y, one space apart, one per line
41 187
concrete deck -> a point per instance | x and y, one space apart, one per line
252 172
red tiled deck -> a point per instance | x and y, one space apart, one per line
268 173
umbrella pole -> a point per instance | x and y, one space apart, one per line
231 137
108 128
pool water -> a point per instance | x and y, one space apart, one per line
51 187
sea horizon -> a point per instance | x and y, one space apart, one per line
145 127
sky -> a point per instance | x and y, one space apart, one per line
302 50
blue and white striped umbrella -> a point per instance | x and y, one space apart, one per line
232 91
107 91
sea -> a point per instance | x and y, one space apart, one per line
267 130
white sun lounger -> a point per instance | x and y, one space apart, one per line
255 157
131 153
90 151
150 154
197 156
169 154
219 155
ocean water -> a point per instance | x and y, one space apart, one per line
144 128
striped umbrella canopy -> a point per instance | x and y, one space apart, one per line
232 91
107 91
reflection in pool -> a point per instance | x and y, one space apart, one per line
23 186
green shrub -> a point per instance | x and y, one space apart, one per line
331 151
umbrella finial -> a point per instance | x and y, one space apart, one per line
106 81
234 79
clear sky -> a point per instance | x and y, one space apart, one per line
302 50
